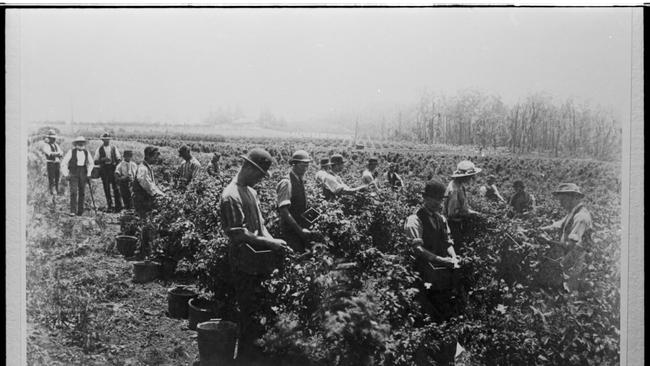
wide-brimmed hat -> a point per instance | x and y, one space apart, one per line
465 169
336 159
79 139
260 159
325 162
568 188
106 136
434 189
51 133
373 161
300 156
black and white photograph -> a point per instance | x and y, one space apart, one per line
324 186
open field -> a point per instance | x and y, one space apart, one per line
84 309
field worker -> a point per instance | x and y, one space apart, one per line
189 168
125 175
144 186
392 176
107 156
77 166
431 239
145 191
243 223
53 155
521 201
370 173
490 190
428 229
292 203
575 230
456 203
332 183
324 170
213 167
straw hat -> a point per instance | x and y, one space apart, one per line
465 169
79 139
106 136
51 134
300 156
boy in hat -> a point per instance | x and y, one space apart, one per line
53 155
292 203
243 223
125 175
369 174
189 168
107 156
521 201
333 184
77 166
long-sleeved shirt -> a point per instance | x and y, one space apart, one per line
107 151
331 182
574 225
81 161
188 170
240 210
126 169
52 152
145 178
456 200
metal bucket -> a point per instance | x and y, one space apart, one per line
177 298
217 342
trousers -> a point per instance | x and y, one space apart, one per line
125 191
53 174
78 178
107 173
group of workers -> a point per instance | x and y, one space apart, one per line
242 220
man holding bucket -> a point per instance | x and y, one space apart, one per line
243 223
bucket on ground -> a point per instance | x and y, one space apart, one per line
177 301
126 245
202 310
217 339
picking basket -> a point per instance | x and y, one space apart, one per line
256 262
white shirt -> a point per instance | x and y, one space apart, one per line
367 177
81 161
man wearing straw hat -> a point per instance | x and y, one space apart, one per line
107 156
243 223
456 203
77 166
292 203
575 230
53 155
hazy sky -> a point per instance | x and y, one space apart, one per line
179 64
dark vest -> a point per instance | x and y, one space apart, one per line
102 154
72 164
298 201
433 233
50 157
